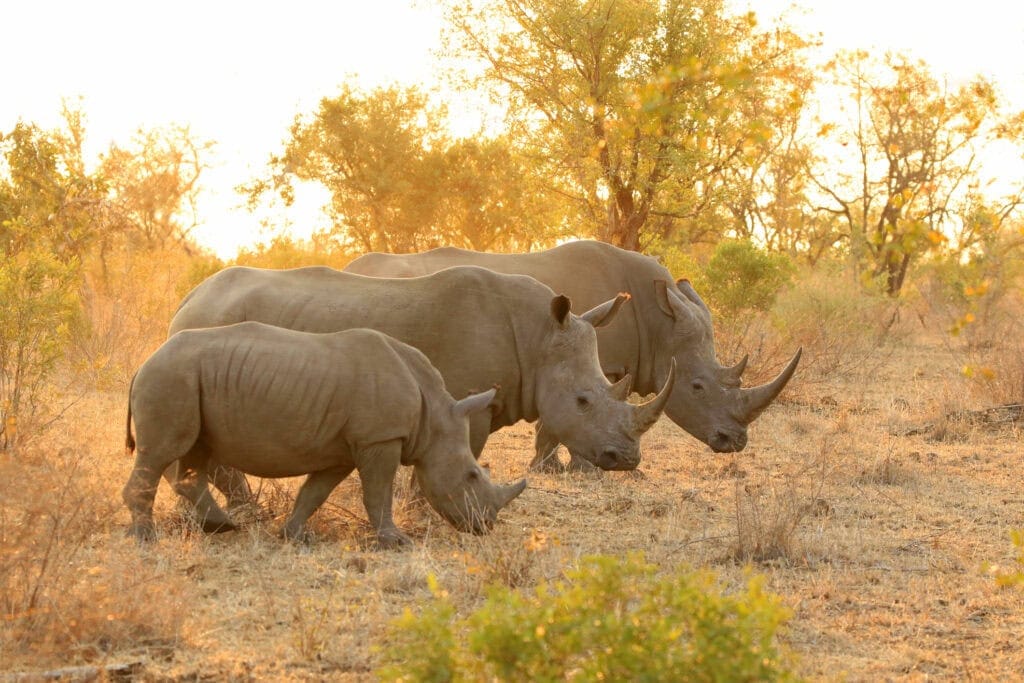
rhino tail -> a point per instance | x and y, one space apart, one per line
129 440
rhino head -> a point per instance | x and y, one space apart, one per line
708 401
576 402
452 481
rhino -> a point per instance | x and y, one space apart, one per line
666 321
477 327
280 403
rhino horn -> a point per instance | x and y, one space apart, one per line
648 413
506 493
756 399
602 314
732 375
621 390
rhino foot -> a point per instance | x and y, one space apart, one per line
142 532
214 526
391 539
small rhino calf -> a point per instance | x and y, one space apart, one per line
273 402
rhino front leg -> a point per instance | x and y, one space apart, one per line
311 496
377 468
546 445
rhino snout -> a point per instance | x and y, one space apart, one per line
725 442
615 459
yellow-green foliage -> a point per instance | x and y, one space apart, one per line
38 304
610 619
740 277
285 252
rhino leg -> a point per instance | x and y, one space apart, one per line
233 484
138 495
311 496
377 466
191 483
546 445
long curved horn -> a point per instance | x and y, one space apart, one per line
756 399
648 413
621 390
734 373
506 493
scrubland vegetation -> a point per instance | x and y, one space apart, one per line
867 531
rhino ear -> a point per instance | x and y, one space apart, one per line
474 403
560 307
602 314
669 302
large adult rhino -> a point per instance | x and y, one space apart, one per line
666 320
280 403
477 327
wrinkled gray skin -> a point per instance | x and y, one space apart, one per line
477 327
666 320
280 403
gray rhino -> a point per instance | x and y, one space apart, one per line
280 403
477 327
666 320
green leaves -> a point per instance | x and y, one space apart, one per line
609 619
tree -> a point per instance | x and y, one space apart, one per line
915 145
630 110
377 155
47 204
398 183
153 185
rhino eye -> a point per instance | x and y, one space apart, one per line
472 475
698 386
582 403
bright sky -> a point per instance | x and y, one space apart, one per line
238 73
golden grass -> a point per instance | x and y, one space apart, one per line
876 540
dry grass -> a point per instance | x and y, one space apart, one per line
876 536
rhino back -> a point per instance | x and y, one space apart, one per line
478 328
276 402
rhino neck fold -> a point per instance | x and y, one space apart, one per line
520 402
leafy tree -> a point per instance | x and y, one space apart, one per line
398 183
153 185
47 204
915 146
631 111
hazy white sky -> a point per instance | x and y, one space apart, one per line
238 73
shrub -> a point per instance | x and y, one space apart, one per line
611 619
742 278
38 305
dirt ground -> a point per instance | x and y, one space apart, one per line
876 517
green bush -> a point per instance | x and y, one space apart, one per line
611 619
740 277
37 309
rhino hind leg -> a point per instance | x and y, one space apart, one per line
311 496
377 466
233 484
192 484
138 495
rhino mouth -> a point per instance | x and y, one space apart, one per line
615 460
725 442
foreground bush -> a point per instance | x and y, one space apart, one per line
611 619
